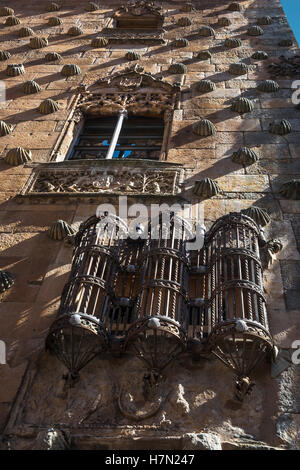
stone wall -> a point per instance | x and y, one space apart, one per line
31 394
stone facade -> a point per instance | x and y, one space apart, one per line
195 409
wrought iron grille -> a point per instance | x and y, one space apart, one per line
152 296
140 138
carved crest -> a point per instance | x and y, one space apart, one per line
147 12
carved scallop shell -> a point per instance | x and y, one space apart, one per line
268 86
92 6
260 55
12 21
235 6
38 43
25 32
52 56
264 20
188 7
238 69
245 156
242 105
207 31
18 156
54 21
5 129
6 11
291 189
206 188
99 42
6 281
232 43
69 70
60 230
204 128
285 43
31 87
280 128
205 86
53 7
224 21
74 31
132 55
260 216
178 68
204 55
5 55
13 70
255 31
181 42
48 106
184 21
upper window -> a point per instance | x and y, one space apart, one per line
140 137
139 15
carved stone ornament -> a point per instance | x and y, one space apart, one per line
285 43
6 281
280 128
268 86
99 42
119 177
238 69
48 106
205 86
52 56
291 189
142 92
242 105
181 42
74 31
5 129
69 70
235 6
31 87
224 21
54 21
92 6
5 55
260 216
25 32
132 55
18 156
147 37
206 188
12 21
260 55
204 128
6 11
60 230
264 20
204 55
13 70
207 31
38 43
178 68
255 31
144 13
232 43
53 7
245 156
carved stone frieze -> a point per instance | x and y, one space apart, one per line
137 36
111 179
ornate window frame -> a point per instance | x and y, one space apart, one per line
138 93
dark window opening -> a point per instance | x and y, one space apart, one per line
140 137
